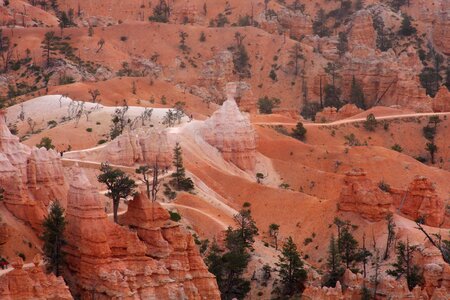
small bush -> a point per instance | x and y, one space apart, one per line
266 104
371 123
101 142
52 124
307 241
21 255
123 38
89 129
397 148
174 216
384 186
299 132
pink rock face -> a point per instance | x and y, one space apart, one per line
31 177
362 32
441 28
330 114
32 283
386 79
421 200
360 195
110 261
232 133
441 103
129 149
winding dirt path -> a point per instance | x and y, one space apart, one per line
350 121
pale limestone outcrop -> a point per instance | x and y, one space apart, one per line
110 261
32 283
129 149
360 195
231 133
31 177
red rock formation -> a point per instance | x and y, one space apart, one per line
129 149
32 283
360 195
330 114
386 79
168 241
231 133
420 200
109 261
31 178
362 32
441 102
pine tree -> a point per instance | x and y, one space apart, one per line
405 266
273 231
334 265
53 237
299 132
319 25
432 149
246 228
348 246
357 94
342 43
292 274
119 185
407 29
49 46
180 181
391 234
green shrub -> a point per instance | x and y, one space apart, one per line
174 216
89 129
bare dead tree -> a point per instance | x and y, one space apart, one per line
436 240
32 124
94 95
100 45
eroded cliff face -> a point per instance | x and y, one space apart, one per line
32 283
420 200
106 260
360 195
441 28
131 148
231 133
441 102
31 177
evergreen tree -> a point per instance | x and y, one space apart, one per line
161 12
299 132
49 46
407 29
357 94
180 181
273 231
391 234
332 96
53 237
343 43
292 274
319 25
228 266
296 55
371 123
405 266
119 185
46 143
334 265
246 228
240 57
348 247
432 149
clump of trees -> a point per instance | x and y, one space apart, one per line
161 12
119 185
241 58
46 142
53 236
291 271
266 104
404 265
229 264
429 133
370 124
299 132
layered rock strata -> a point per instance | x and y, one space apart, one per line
108 261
